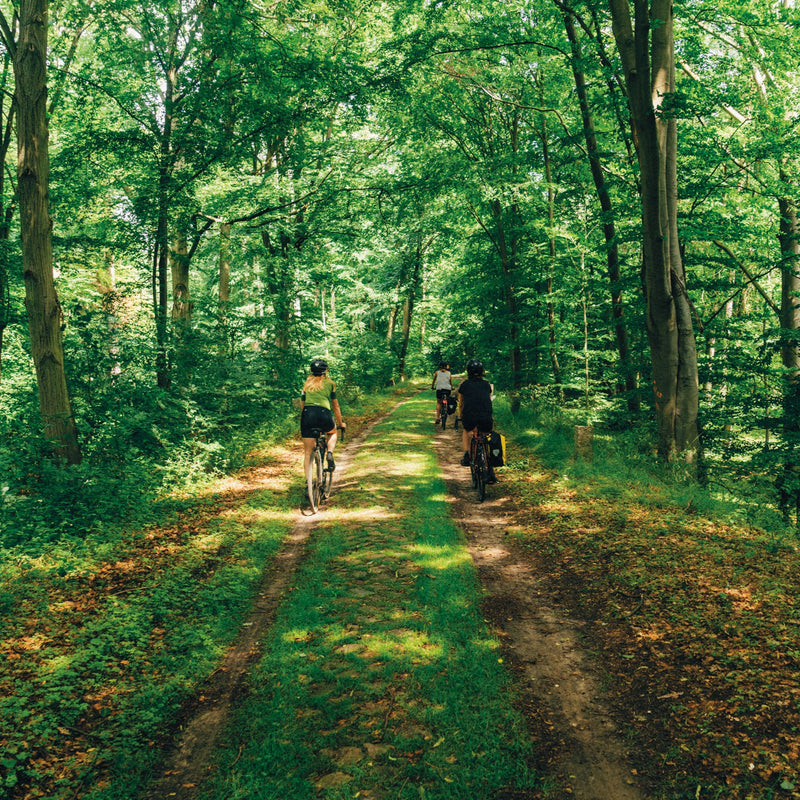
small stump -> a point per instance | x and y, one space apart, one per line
584 435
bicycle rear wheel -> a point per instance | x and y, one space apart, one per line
444 415
473 464
481 472
315 480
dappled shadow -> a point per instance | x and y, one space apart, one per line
380 673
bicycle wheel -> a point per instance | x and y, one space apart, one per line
444 415
473 464
481 472
315 480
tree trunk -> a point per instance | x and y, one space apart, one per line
33 167
224 266
789 237
160 298
629 381
179 267
6 213
649 63
551 264
507 252
408 305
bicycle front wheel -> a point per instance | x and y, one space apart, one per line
315 480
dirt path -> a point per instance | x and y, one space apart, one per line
575 735
561 694
187 765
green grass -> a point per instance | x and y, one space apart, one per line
380 675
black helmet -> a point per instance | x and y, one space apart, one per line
442 365
474 368
319 366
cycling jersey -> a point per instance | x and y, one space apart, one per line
321 397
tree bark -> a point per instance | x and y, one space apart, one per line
649 64
224 266
789 237
33 168
179 267
629 382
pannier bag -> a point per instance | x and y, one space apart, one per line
497 449
452 402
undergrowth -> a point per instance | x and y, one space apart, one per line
691 611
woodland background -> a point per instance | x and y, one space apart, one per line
597 200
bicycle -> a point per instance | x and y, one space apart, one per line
445 408
479 462
320 476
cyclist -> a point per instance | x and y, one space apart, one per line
475 408
319 405
443 383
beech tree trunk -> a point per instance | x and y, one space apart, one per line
647 50
629 382
33 174
224 266
179 266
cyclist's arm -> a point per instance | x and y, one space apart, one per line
337 412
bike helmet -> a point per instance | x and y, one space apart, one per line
474 368
319 366
442 365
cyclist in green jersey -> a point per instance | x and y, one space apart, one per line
319 406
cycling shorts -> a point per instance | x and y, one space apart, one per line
316 417
483 424
442 393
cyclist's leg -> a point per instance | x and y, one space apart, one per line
466 436
333 437
308 449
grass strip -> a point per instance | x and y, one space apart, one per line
380 678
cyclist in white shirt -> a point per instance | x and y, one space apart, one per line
443 384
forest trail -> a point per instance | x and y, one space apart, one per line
576 751
560 691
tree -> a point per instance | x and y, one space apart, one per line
33 168
646 46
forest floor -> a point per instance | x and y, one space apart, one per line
559 640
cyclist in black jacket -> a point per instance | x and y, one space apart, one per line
474 405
